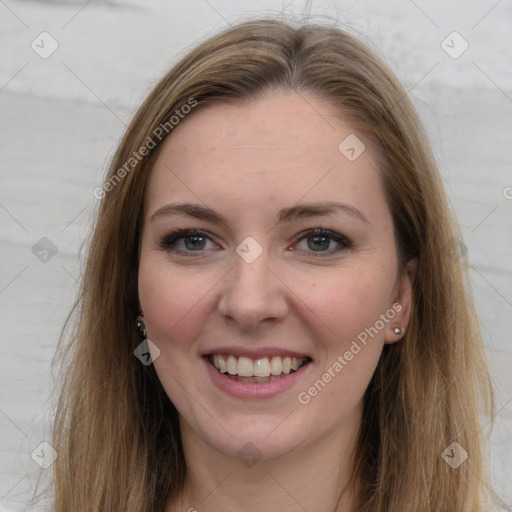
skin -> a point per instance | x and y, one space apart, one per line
247 161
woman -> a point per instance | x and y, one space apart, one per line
273 314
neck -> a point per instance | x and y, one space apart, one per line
315 477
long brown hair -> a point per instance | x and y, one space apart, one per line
116 431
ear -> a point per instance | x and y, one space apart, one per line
402 303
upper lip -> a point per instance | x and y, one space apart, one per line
255 353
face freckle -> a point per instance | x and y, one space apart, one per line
247 163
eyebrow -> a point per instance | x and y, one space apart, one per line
285 215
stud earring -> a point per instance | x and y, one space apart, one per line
141 326
397 330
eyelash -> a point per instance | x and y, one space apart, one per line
170 239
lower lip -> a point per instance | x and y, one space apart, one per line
255 390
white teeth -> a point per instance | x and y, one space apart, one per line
245 367
222 364
232 365
260 368
276 367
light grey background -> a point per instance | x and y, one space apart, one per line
62 116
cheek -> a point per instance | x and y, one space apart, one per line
173 302
350 299
351 304
339 304
172 299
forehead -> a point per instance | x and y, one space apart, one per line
264 154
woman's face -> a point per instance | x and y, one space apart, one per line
236 307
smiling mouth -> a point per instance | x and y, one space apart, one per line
265 369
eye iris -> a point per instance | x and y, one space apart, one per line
194 244
325 240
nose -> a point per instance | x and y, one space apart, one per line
253 293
